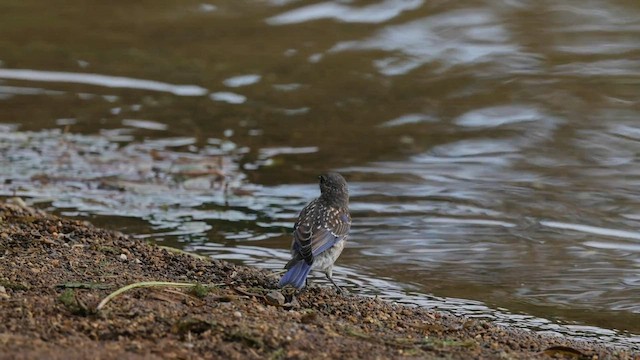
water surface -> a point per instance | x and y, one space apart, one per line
491 146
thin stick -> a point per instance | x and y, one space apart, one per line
144 284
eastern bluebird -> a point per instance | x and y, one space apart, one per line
320 233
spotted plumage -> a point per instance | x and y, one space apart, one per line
320 232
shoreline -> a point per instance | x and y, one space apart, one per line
54 273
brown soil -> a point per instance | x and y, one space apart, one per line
54 272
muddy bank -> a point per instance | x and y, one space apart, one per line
54 273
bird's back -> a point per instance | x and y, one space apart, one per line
319 227
320 232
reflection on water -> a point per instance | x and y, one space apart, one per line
491 146
100 80
460 37
375 13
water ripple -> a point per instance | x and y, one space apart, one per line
101 80
458 37
593 229
377 13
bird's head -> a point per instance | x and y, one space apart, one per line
334 190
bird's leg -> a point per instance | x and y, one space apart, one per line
338 288
329 274
303 289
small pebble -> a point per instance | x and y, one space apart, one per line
275 298
123 257
237 314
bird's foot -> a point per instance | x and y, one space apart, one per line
339 290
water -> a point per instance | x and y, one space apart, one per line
491 146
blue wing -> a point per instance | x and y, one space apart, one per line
318 228
300 266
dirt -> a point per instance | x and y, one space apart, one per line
54 272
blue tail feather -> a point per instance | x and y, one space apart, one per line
296 275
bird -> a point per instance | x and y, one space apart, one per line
320 233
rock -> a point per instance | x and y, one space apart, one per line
275 298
